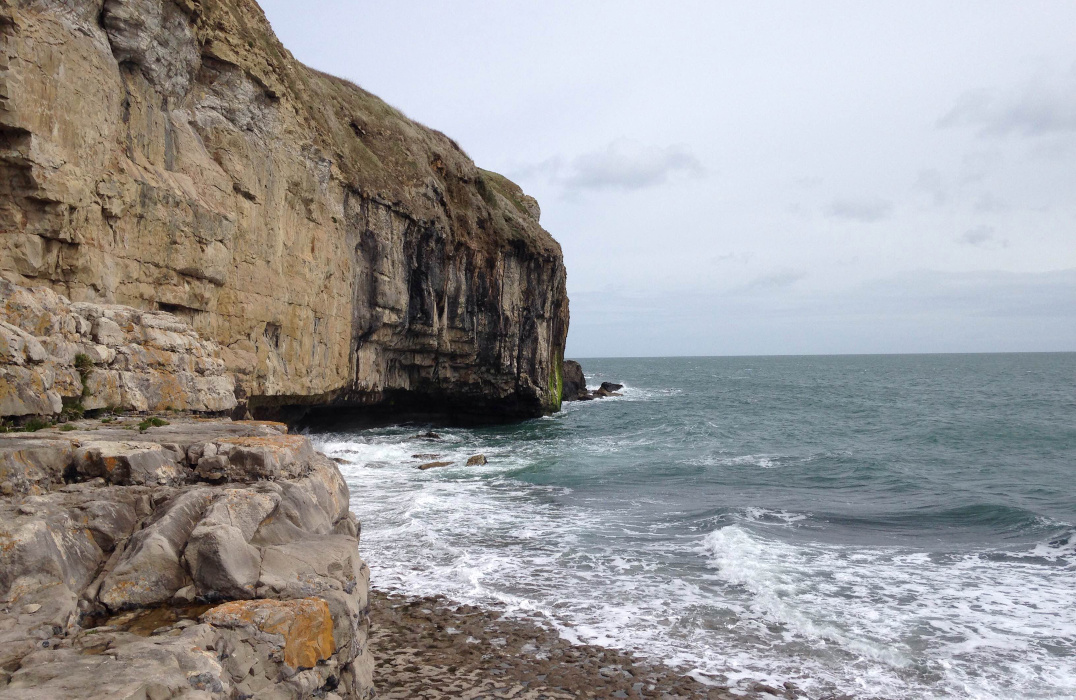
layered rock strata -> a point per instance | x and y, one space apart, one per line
58 357
171 155
202 559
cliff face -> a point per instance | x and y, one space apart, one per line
172 155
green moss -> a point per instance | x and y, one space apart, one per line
556 384
67 427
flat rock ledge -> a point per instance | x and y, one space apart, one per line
198 559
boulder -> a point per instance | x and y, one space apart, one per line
248 459
476 461
433 465
611 387
149 571
30 466
131 463
574 384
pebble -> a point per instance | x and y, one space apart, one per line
430 648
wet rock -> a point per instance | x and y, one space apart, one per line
574 386
477 461
611 386
466 652
433 465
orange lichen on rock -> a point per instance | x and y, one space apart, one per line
305 624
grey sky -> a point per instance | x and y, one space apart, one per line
758 177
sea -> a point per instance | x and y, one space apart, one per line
888 526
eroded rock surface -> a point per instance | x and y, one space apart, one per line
574 386
56 354
172 155
201 559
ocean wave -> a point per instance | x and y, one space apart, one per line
977 518
632 393
760 461
879 622
964 626
765 515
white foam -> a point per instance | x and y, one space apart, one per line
765 515
927 626
632 393
875 622
760 461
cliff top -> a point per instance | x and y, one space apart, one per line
374 147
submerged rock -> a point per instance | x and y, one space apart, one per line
433 465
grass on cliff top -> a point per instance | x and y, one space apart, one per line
502 186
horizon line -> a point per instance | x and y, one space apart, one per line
828 354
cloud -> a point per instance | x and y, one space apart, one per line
987 203
775 280
628 165
862 209
982 237
1033 109
930 182
927 311
741 258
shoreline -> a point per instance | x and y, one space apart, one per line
430 647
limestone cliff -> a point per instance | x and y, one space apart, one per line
171 155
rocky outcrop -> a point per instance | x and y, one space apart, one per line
575 385
208 559
171 155
58 357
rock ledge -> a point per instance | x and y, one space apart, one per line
200 559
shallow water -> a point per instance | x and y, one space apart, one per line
891 526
